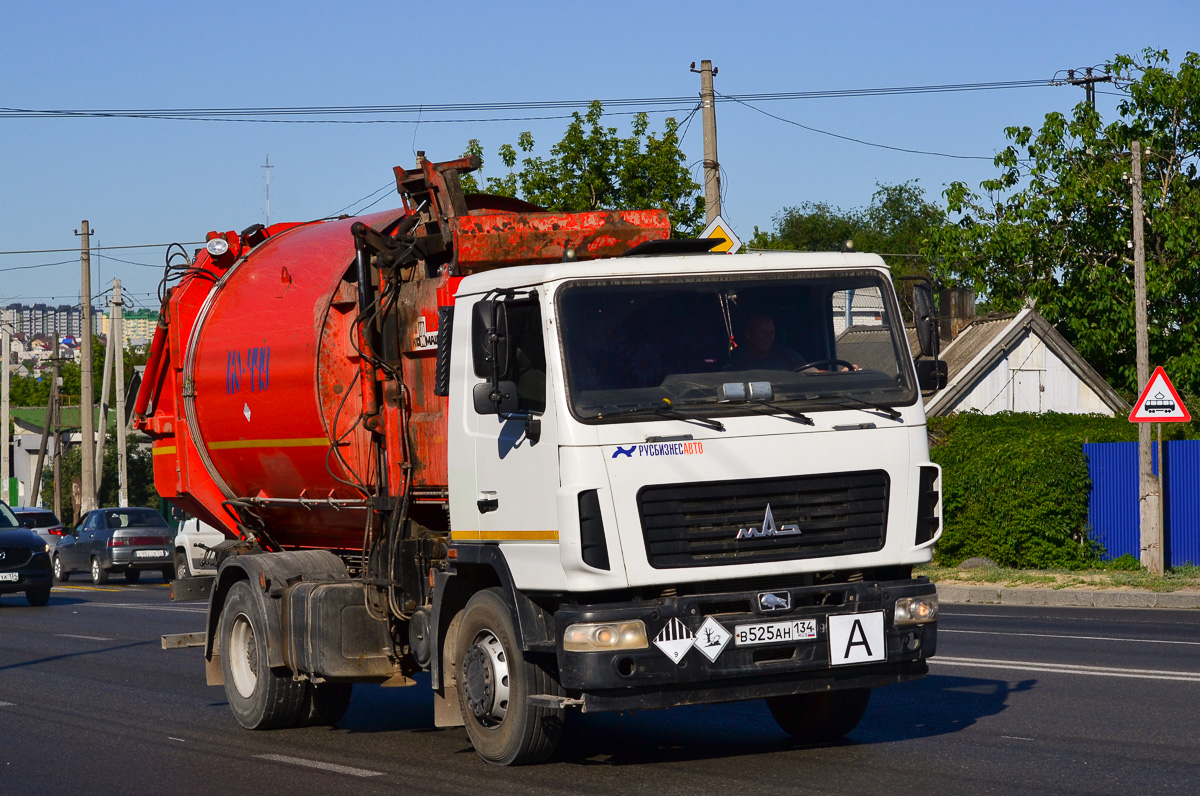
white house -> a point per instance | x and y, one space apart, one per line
1019 363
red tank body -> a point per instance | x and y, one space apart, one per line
261 408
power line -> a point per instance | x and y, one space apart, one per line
859 140
421 110
104 248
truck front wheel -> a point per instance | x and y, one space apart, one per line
260 697
821 717
495 681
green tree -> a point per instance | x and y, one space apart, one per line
594 168
1055 225
897 223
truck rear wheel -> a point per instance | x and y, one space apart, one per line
495 681
821 717
260 697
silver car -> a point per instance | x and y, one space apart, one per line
125 540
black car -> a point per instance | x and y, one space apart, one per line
126 540
24 563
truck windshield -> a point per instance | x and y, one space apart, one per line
809 341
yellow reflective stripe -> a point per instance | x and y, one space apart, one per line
307 442
505 536
163 450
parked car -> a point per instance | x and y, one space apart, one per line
24 562
125 540
44 522
189 558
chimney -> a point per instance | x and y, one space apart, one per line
956 309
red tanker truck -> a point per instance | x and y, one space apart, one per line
560 461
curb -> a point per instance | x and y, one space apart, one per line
1076 598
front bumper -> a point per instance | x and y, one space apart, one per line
32 575
648 678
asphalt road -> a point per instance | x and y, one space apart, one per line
1030 700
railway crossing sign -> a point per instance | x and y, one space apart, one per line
1159 402
717 228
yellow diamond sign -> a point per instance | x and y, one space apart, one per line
718 229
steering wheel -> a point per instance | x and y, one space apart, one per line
819 362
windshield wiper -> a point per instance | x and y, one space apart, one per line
803 418
667 411
859 403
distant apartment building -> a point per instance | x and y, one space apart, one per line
137 326
43 319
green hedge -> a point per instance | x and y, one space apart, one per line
1015 487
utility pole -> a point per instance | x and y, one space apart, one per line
1088 82
1149 492
35 491
712 167
86 420
5 387
118 332
56 402
106 382
268 167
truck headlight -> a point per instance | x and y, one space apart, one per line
605 636
916 610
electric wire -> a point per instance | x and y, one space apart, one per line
422 109
859 140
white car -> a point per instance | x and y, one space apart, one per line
189 559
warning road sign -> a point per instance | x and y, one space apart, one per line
1159 402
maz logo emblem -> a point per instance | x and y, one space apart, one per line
768 529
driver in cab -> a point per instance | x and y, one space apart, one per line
759 351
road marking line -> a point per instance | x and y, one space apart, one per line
1017 738
173 738
89 638
7 705
1066 668
81 588
1081 638
336 769
140 607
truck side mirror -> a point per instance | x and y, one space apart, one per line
931 374
495 399
489 339
926 320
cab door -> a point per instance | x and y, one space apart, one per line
516 452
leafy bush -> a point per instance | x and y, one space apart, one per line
1015 487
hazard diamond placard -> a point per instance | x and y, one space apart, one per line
1159 402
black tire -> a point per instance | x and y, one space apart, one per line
181 567
60 574
39 596
821 717
133 575
168 574
260 697
327 703
490 666
99 573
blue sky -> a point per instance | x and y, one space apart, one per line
154 181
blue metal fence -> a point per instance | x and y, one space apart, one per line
1113 505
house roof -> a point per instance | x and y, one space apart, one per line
987 340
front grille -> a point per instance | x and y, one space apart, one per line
693 525
13 557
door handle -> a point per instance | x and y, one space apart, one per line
487 504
